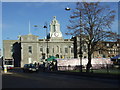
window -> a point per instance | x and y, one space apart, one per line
43 55
30 49
60 50
66 50
72 50
12 48
41 49
53 50
110 50
57 49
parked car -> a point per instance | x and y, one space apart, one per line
30 68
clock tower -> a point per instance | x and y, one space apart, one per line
55 29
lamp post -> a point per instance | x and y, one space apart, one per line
67 9
80 43
80 39
45 26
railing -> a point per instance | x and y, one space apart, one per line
77 67
64 68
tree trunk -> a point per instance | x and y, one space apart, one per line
89 59
88 64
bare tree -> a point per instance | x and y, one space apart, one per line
92 22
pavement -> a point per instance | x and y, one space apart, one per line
6 72
54 80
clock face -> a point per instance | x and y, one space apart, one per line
56 34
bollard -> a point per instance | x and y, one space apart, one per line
5 69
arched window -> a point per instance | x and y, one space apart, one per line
57 55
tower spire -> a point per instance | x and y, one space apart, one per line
55 28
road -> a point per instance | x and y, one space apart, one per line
18 79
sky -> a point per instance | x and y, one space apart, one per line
16 17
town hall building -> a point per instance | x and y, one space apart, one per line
30 49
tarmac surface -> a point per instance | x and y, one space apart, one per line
17 79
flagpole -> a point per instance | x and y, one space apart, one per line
29 27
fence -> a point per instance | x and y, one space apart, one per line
97 63
77 67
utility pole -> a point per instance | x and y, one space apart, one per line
45 26
29 27
80 49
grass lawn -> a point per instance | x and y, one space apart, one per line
105 71
109 71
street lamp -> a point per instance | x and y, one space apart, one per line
80 43
67 8
45 26
80 49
